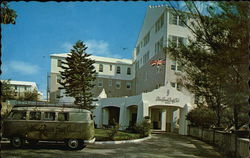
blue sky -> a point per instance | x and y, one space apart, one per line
46 28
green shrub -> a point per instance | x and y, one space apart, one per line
143 128
202 117
114 131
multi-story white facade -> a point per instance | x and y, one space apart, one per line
153 91
20 87
115 76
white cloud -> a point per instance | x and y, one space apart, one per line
67 46
95 47
100 48
23 67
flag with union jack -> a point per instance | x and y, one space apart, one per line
157 62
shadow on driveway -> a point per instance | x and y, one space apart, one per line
161 145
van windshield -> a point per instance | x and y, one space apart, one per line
18 115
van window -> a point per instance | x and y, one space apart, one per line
78 117
49 116
18 115
35 115
63 116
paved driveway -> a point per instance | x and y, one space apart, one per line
161 145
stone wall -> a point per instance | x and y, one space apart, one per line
223 140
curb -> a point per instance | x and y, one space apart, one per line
123 141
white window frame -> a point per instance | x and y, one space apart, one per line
58 78
118 83
110 83
118 72
128 71
129 83
59 62
100 67
173 83
100 81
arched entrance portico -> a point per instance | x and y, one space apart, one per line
110 115
132 115
163 117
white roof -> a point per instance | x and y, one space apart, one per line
103 94
99 59
23 83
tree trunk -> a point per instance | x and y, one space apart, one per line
236 117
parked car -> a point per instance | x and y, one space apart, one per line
72 125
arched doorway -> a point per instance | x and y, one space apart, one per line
162 117
156 117
111 115
132 115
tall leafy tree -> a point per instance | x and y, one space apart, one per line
215 61
30 95
8 16
6 91
78 75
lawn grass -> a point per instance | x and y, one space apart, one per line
102 135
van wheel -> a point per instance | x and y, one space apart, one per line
17 142
74 144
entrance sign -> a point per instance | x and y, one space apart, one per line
167 100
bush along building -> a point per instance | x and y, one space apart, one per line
128 90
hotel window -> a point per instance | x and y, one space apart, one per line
118 84
146 39
159 23
159 46
178 67
137 50
136 65
173 19
196 99
58 78
128 85
147 56
118 70
59 63
129 71
25 88
173 65
58 94
177 40
173 40
110 83
110 67
182 21
180 41
144 58
15 87
178 86
100 68
172 84
100 83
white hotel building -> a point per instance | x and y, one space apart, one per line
130 89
